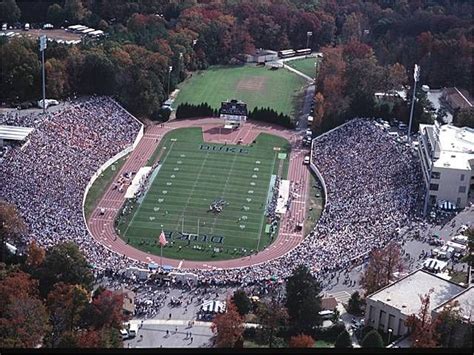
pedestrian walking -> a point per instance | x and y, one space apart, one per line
169 316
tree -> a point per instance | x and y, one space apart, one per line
36 255
301 341
272 318
464 118
57 81
383 263
423 333
318 113
55 14
303 300
228 327
242 302
12 226
74 11
64 263
106 311
355 303
469 258
343 340
9 11
66 304
23 317
451 329
372 340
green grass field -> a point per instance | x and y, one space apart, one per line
257 86
192 175
306 66
100 185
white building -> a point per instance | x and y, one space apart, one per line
390 307
447 161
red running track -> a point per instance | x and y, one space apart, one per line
102 226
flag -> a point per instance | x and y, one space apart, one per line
162 239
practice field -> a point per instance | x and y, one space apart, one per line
192 175
306 66
257 86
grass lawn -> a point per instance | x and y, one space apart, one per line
322 344
306 66
192 175
100 185
257 86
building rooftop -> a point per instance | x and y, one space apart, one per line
14 133
465 300
454 146
405 293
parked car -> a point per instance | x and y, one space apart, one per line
306 160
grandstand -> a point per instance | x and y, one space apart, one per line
233 112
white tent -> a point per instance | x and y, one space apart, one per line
213 306
447 205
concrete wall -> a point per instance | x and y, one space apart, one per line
449 183
381 316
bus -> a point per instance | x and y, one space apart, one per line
287 53
304 51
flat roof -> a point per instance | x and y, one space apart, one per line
465 300
405 293
456 146
14 133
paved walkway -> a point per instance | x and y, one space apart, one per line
102 226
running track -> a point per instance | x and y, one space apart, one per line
102 226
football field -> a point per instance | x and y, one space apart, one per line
256 86
192 176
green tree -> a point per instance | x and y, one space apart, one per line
273 318
303 301
64 263
343 340
372 340
242 302
55 14
355 304
74 11
464 118
9 11
12 226
20 70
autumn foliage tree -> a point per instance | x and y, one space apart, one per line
12 226
23 316
272 318
383 263
228 327
301 341
423 328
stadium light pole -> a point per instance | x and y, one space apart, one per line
42 47
169 79
308 34
416 77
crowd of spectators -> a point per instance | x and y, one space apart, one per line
373 188
46 178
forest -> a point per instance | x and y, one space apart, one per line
368 46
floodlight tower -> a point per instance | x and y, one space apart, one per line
416 77
42 47
308 34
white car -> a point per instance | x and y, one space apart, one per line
124 334
49 102
306 160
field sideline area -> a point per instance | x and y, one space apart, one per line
256 86
192 175
306 66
